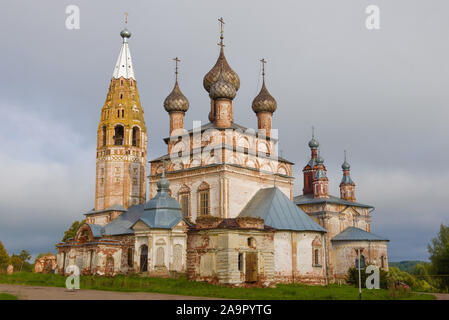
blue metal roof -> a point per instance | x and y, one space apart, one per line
115 207
309 199
97 230
357 234
279 212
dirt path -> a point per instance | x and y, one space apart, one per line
53 293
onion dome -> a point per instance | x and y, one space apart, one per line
345 165
319 159
222 89
163 183
264 102
313 144
125 34
221 66
176 101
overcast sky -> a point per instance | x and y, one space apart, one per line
380 94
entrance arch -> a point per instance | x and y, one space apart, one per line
144 258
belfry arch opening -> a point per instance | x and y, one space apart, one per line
118 135
104 135
136 137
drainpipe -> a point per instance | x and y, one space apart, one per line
325 255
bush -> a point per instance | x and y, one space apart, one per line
353 278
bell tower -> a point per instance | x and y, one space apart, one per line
121 139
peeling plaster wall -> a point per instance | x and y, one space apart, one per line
293 257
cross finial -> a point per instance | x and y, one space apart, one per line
313 132
345 155
221 32
263 67
126 17
176 67
163 169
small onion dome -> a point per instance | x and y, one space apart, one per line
313 144
176 101
222 89
319 159
228 74
264 102
163 183
125 33
345 166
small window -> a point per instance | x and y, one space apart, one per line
204 202
118 113
185 205
240 262
123 113
382 262
121 95
316 258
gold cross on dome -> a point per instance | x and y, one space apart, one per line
221 32
263 66
126 17
176 66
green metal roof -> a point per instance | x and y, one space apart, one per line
279 212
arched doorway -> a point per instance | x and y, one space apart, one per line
109 266
177 257
144 258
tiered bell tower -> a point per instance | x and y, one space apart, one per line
121 139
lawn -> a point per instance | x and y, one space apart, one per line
7 296
182 286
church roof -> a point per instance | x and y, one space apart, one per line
114 207
124 66
309 199
357 234
97 230
279 212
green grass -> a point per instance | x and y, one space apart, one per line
182 286
7 296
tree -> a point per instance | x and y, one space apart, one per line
24 256
439 256
16 262
4 257
71 232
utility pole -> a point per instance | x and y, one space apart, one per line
360 276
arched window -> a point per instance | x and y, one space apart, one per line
316 257
184 200
204 199
118 135
104 136
136 137
123 113
362 262
382 262
160 256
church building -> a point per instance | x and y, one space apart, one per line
221 206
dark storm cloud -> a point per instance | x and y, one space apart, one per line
379 94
